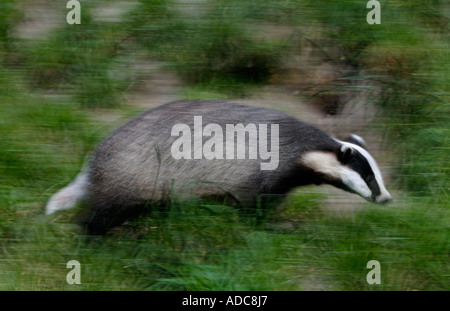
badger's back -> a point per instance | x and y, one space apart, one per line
135 163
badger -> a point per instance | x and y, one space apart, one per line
212 149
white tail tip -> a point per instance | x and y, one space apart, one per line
68 196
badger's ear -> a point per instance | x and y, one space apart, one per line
344 153
357 140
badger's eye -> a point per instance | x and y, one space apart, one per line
370 178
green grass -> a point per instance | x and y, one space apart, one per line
409 241
193 246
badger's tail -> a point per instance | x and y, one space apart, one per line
70 195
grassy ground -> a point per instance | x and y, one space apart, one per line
52 93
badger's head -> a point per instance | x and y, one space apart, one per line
350 167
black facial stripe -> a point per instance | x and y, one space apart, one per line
359 164
373 185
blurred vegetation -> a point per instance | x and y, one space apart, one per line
53 88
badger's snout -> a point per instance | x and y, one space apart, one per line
384 198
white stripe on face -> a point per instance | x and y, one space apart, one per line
327 164
384 196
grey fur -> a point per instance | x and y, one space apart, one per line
134 164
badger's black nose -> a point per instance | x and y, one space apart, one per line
382 199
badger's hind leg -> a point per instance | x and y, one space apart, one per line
100 216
